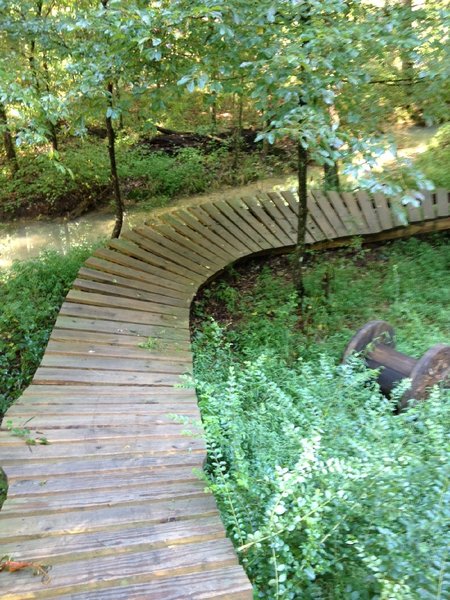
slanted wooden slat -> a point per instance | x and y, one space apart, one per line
442 203
370 214
428 206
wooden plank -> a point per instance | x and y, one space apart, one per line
76 435
108 483
274 212
123 315
81 468
292 200
121 339
115 302
80 348
51 394
170 268
144 566
108 542
235 214
94 326
232 228
154 274
202 269
11 455
141 447
180 247
428 207
256 208
361 226
329 211
85 283
94 519
228 583
187 237
442 203
365 204
28 413
190 225
114 363
414 213
51 375
126 284
217 224
284 207
162 286
265 237
43 421
323 228
383 211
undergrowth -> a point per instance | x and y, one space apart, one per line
325 491
31 293
80 176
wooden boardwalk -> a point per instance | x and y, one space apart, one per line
112 504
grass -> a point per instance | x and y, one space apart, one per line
347 499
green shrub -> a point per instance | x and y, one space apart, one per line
435 160
31 293
325 492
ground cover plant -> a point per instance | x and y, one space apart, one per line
325 491
31 293
79 180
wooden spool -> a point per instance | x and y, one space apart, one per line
375 341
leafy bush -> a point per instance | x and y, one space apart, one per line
435 160
31 293
81 176
325 492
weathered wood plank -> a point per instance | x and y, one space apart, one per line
116 541
142 566
93 326
80 467
116 289
114 302
227 583
154 351
94 519
163 249
108 482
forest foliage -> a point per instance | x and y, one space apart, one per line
328 75
326 491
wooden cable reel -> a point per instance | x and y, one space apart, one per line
375 341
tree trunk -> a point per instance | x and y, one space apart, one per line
112 161
237 142
299 253
8 141
331 177
213 113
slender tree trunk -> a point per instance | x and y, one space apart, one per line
331 177
8 141
237 141
213 112
113 165
299 253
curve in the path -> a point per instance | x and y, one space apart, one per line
112 503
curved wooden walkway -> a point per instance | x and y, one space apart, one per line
112 503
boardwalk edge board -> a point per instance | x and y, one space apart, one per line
113 503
